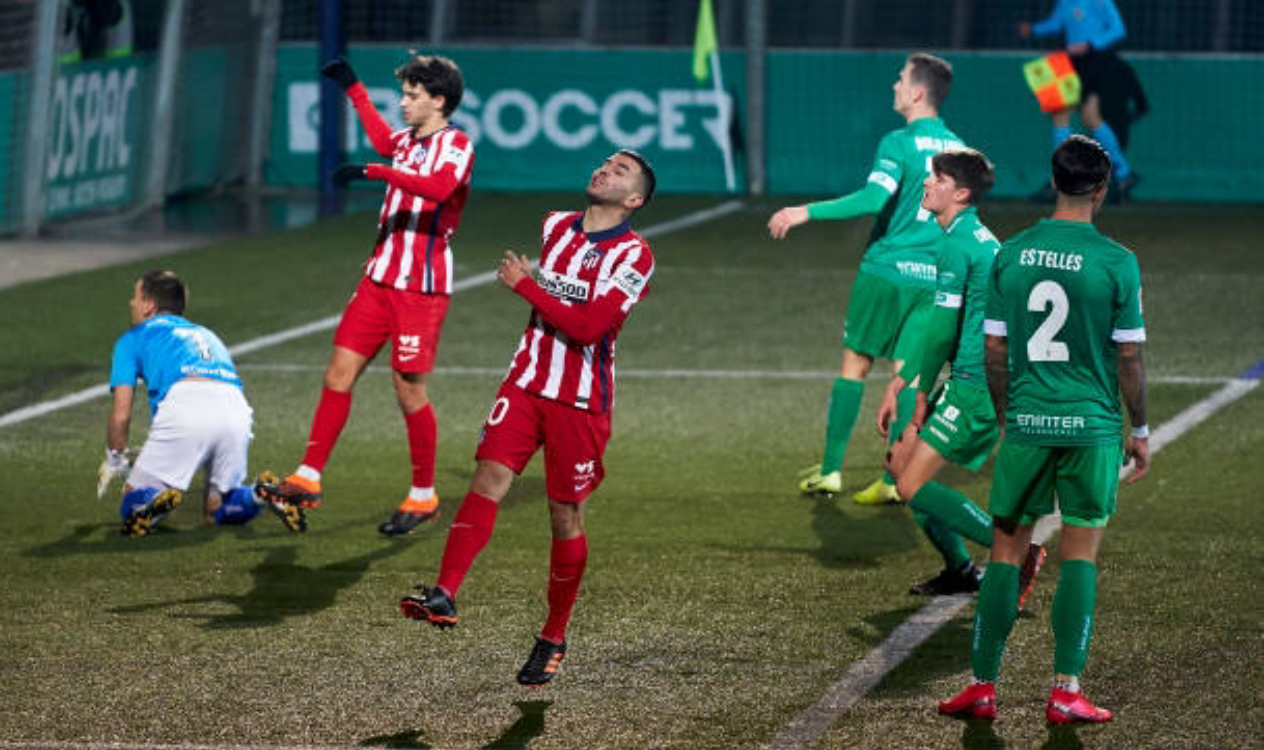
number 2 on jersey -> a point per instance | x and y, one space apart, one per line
1042 347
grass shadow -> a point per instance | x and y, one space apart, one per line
81 540
859 540
528 726
517 736
981 735
282 589
409 739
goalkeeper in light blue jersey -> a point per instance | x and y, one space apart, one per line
200 416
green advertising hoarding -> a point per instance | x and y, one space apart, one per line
95 140
540 119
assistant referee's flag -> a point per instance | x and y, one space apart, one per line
705 42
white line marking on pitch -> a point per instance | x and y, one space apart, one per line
679 372
864 675
280 337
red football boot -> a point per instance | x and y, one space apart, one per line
1066 707
977 701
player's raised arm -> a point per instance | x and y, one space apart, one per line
340 72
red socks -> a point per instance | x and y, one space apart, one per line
470 530
422 434
331 416
566 570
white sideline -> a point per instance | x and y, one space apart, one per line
263 342
686 373
864 675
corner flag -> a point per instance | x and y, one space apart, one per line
706 63
705 42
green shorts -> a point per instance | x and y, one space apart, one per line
962 428
878 312
1084 478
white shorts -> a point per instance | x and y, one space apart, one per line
199 422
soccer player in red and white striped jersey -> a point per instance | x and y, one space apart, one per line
403 296
558 394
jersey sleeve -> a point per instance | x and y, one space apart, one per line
609 305
125 367
1128 322
629 283
453 168
375 125
994 311
888 164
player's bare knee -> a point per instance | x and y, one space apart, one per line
855 366
567 519
492 480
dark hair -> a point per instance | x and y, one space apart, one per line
970 169
166 290
932 73
1080 166
648 180
438 75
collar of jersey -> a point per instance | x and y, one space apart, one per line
618 230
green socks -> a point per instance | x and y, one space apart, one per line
955 510
994 617
947 541
905 404
1072 615
844 407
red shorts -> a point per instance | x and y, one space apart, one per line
410 320
574 441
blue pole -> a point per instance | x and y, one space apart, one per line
332 42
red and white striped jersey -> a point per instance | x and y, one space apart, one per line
595 279
413 251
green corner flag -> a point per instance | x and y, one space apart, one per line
704 41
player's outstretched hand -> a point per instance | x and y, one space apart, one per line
782 221
116 464
513 269
346 173
340 72
1137 452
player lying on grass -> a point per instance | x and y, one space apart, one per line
962 426
558 395
200 416
402 299
1064 341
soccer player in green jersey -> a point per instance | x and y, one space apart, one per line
962 427
896 282
1064 340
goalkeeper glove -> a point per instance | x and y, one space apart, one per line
116 464
340 72
346 173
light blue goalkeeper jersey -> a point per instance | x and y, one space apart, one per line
166 349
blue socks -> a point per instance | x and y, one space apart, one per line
133 499
1105 136
238 507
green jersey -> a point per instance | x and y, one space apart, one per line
965 265
1064 295
902 244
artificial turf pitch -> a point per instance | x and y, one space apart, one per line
718 604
